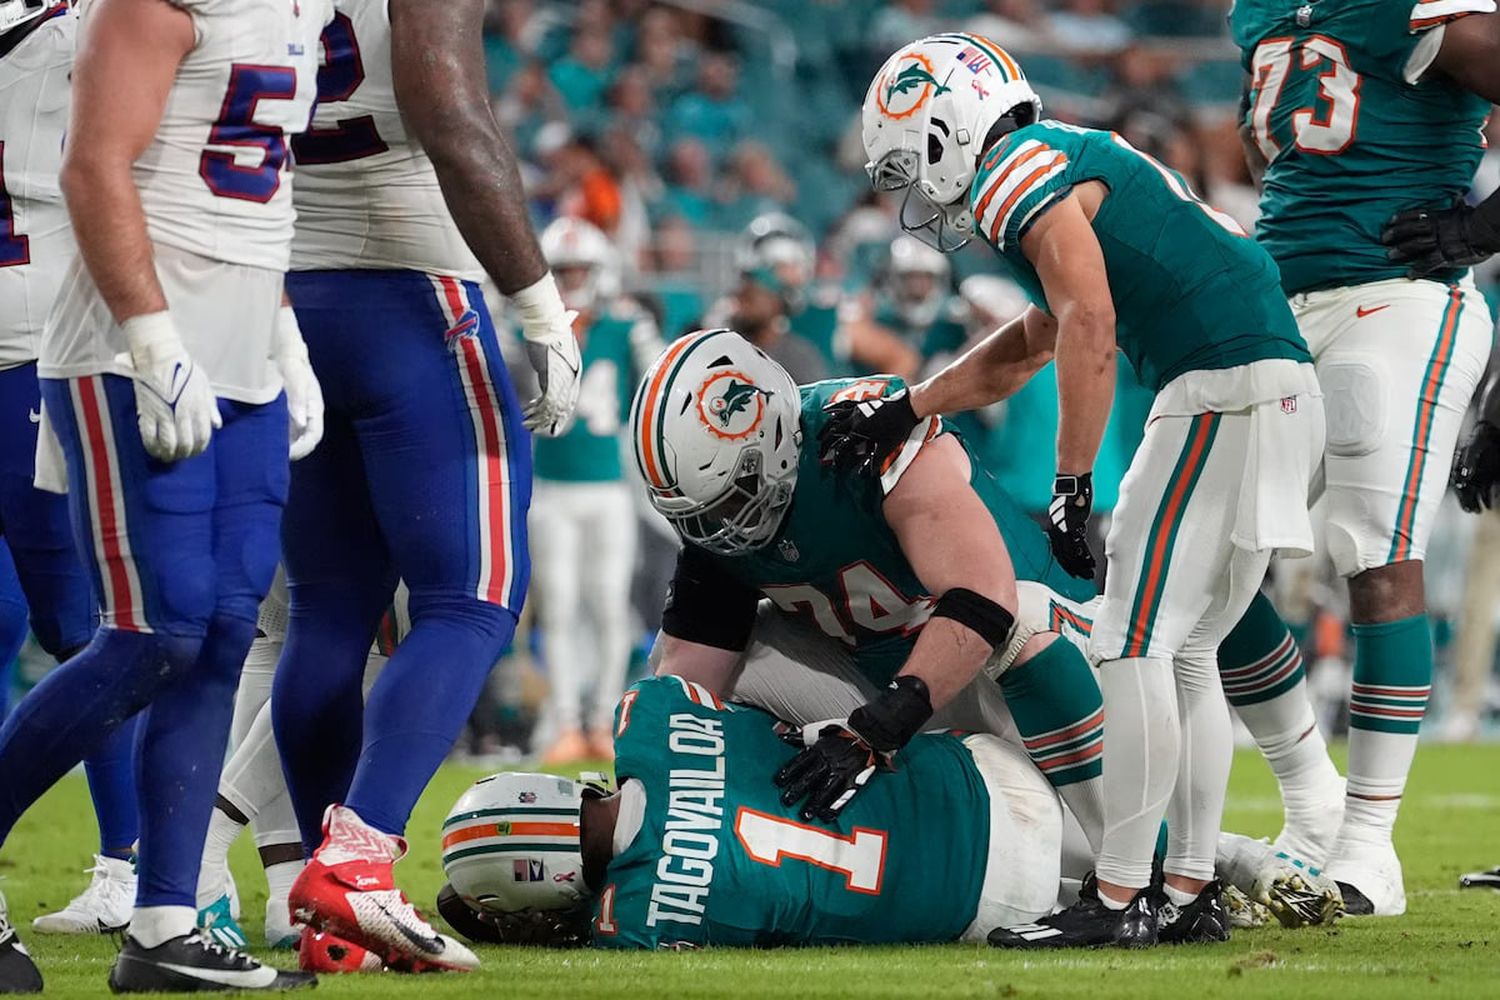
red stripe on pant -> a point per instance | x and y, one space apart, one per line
107 527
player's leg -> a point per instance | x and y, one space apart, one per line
13 616
189 722
606 588
63 617
457 537
1398 382
1260 668
340 583
558 558
1055 701
795 672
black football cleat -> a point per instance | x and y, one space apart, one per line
1481 880
18 973
1088 923
194 963
1202 921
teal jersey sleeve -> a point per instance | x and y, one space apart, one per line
718 860
1017 181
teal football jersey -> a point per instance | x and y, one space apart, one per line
836 561
817 322
718 860
1348 137
590 450
1191 290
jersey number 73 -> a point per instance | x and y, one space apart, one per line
1327 126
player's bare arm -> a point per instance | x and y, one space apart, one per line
951 541
127 59
1442 236
437 69
710 666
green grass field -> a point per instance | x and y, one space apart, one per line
1447 945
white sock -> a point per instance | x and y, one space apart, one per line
280 876
1287 734
1378 765
152 926
254 692
1196 811
1142 741
1113 904
1179 897
222 833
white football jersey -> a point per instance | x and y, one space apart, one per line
367 195
215 184
216 179
36 241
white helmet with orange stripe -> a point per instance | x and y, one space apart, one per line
512 842
717 431
930 113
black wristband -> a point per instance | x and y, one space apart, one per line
894 716
977 612
1074 486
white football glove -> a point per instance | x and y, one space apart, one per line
552 350
304 396
175 406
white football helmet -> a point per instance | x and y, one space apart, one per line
930 113
512 842
14 13
776 240
576 245
918 302
717 429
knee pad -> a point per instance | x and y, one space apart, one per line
1033 618
1355 407
491 622
148 661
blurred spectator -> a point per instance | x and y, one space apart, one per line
579 184
582 76
759 312
900 22
673 263
527 104
689 189
632 108
712 112
756 184
661 51
639 186
1088 26
1012 24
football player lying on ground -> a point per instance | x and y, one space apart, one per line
697 848
886 598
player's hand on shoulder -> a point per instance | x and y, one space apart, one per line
830 771
176 411
304 396
1437 239
552 350
861 434
1476 468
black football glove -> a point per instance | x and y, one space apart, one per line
1476 468
861 434
1438 239
827 775
1068 527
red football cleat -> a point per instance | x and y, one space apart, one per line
348 890
318 951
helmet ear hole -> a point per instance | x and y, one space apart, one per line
934 149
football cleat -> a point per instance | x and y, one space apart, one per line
570 748
1298 894
193 963
103 908
319 951
1369 878
348 890
1244 912
1088 923
1203 921
1481 880
1310 832
217 921
602 745
18 973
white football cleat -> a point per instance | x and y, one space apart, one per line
1309 832
1243 911
1369 876
1297 893
103 908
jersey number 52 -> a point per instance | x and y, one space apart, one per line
1327 126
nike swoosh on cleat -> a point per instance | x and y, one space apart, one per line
263 975
430 946
1362 312
34 416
